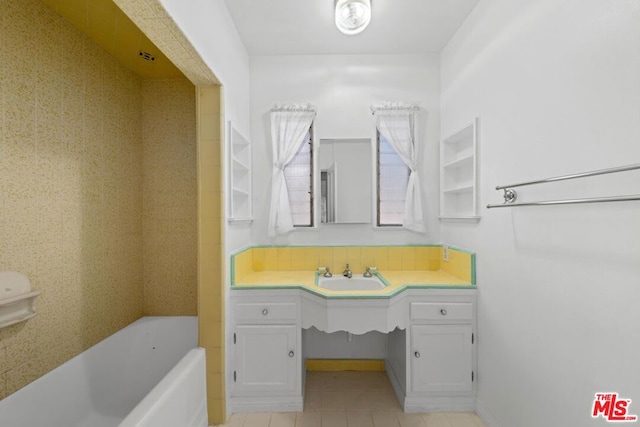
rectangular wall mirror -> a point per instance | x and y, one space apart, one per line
345 183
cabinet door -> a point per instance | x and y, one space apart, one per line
266 358
441 358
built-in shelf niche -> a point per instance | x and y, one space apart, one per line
458 175
239 177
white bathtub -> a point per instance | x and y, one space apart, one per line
150 373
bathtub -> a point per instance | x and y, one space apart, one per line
150 373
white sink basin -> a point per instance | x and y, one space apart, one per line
356 283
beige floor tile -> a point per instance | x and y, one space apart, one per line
357 400
477 420
235 420
359 418
352 399
379 381
411 420
332 400
313 381
334 419
436 419
461 419
309 419
385 419
383 400
332 381
312 400
283 419
259 419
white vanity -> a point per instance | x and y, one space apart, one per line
431 347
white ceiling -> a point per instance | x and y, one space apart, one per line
306 27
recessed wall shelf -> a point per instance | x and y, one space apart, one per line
458 175
17 300
240 209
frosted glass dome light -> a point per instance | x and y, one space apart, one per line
352 16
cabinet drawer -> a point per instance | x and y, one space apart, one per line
441 311
266 312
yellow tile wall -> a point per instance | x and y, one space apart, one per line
169 197
292 258
459 264
70 194
211 273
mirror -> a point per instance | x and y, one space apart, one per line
345 180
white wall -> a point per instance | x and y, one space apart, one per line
342 87
556 86
208 26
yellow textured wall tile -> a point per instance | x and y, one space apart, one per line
367 256
381 255
216 410
435 257
310 258
339 259
258 258
313 365
271 259
352 365
395 258
215 361
297 258
211 330
422 258
284 259
325 257
353 258
215 388
373 365
71 168
408 258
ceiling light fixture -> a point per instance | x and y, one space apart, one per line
352 16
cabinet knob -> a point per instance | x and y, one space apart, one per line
265 312
291 353
417 354
443 312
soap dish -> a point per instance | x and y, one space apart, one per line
17 300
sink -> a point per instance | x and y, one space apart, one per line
359 283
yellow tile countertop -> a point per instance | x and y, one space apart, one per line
397 281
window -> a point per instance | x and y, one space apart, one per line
393 177
298 176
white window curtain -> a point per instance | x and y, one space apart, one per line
289 125
396 122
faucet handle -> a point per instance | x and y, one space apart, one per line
367 272
327 273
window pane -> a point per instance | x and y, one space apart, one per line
297 175
393 177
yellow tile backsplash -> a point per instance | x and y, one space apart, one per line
386 258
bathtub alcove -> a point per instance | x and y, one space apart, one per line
150 373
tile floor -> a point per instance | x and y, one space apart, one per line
352 399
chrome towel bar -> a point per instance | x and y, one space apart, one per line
510 195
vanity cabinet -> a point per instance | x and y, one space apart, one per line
431 357
266 361
441 358
440 355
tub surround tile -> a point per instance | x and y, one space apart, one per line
72 212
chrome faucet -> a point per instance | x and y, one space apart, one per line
347 272
327 273
367 272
